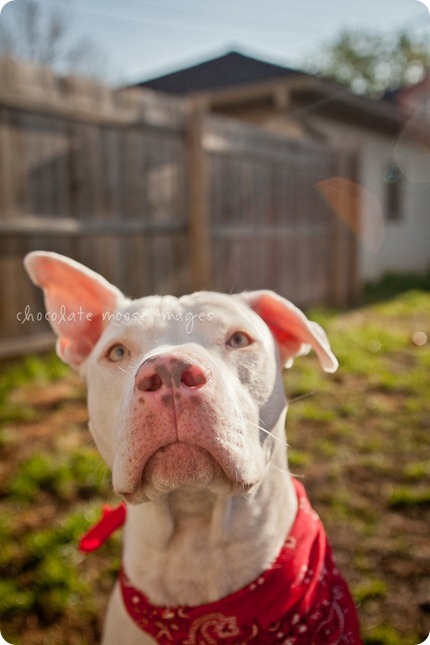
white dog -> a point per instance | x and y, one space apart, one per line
187 408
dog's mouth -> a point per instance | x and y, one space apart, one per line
184 465
181 465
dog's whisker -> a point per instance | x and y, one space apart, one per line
104 470
270 434
285 472
132 368
272 465
301 396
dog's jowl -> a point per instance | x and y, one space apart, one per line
187 408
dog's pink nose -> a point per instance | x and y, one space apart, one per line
193 377
169 371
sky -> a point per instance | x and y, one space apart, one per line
141 39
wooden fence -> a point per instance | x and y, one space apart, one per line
159 197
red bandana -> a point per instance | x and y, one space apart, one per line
302 599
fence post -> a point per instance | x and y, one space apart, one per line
199 236
352 234
355 284
345 280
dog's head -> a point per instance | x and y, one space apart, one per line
182 392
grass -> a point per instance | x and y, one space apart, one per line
52 486
360 439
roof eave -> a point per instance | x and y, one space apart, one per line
305 86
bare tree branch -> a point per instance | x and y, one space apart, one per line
28 31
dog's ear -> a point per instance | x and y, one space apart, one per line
76 300
293 332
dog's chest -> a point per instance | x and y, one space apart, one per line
301 598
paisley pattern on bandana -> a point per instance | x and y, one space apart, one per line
301 600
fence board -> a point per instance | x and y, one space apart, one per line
159 197
266 205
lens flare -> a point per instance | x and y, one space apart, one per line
357 207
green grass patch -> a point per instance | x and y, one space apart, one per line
370 589
417 471
33 370
386 635
297 459
47 576
403 496
68 477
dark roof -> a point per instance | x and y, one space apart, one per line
232 69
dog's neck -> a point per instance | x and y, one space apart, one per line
194 547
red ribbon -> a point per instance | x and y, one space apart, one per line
111 520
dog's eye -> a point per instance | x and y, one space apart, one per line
117 353
239 339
